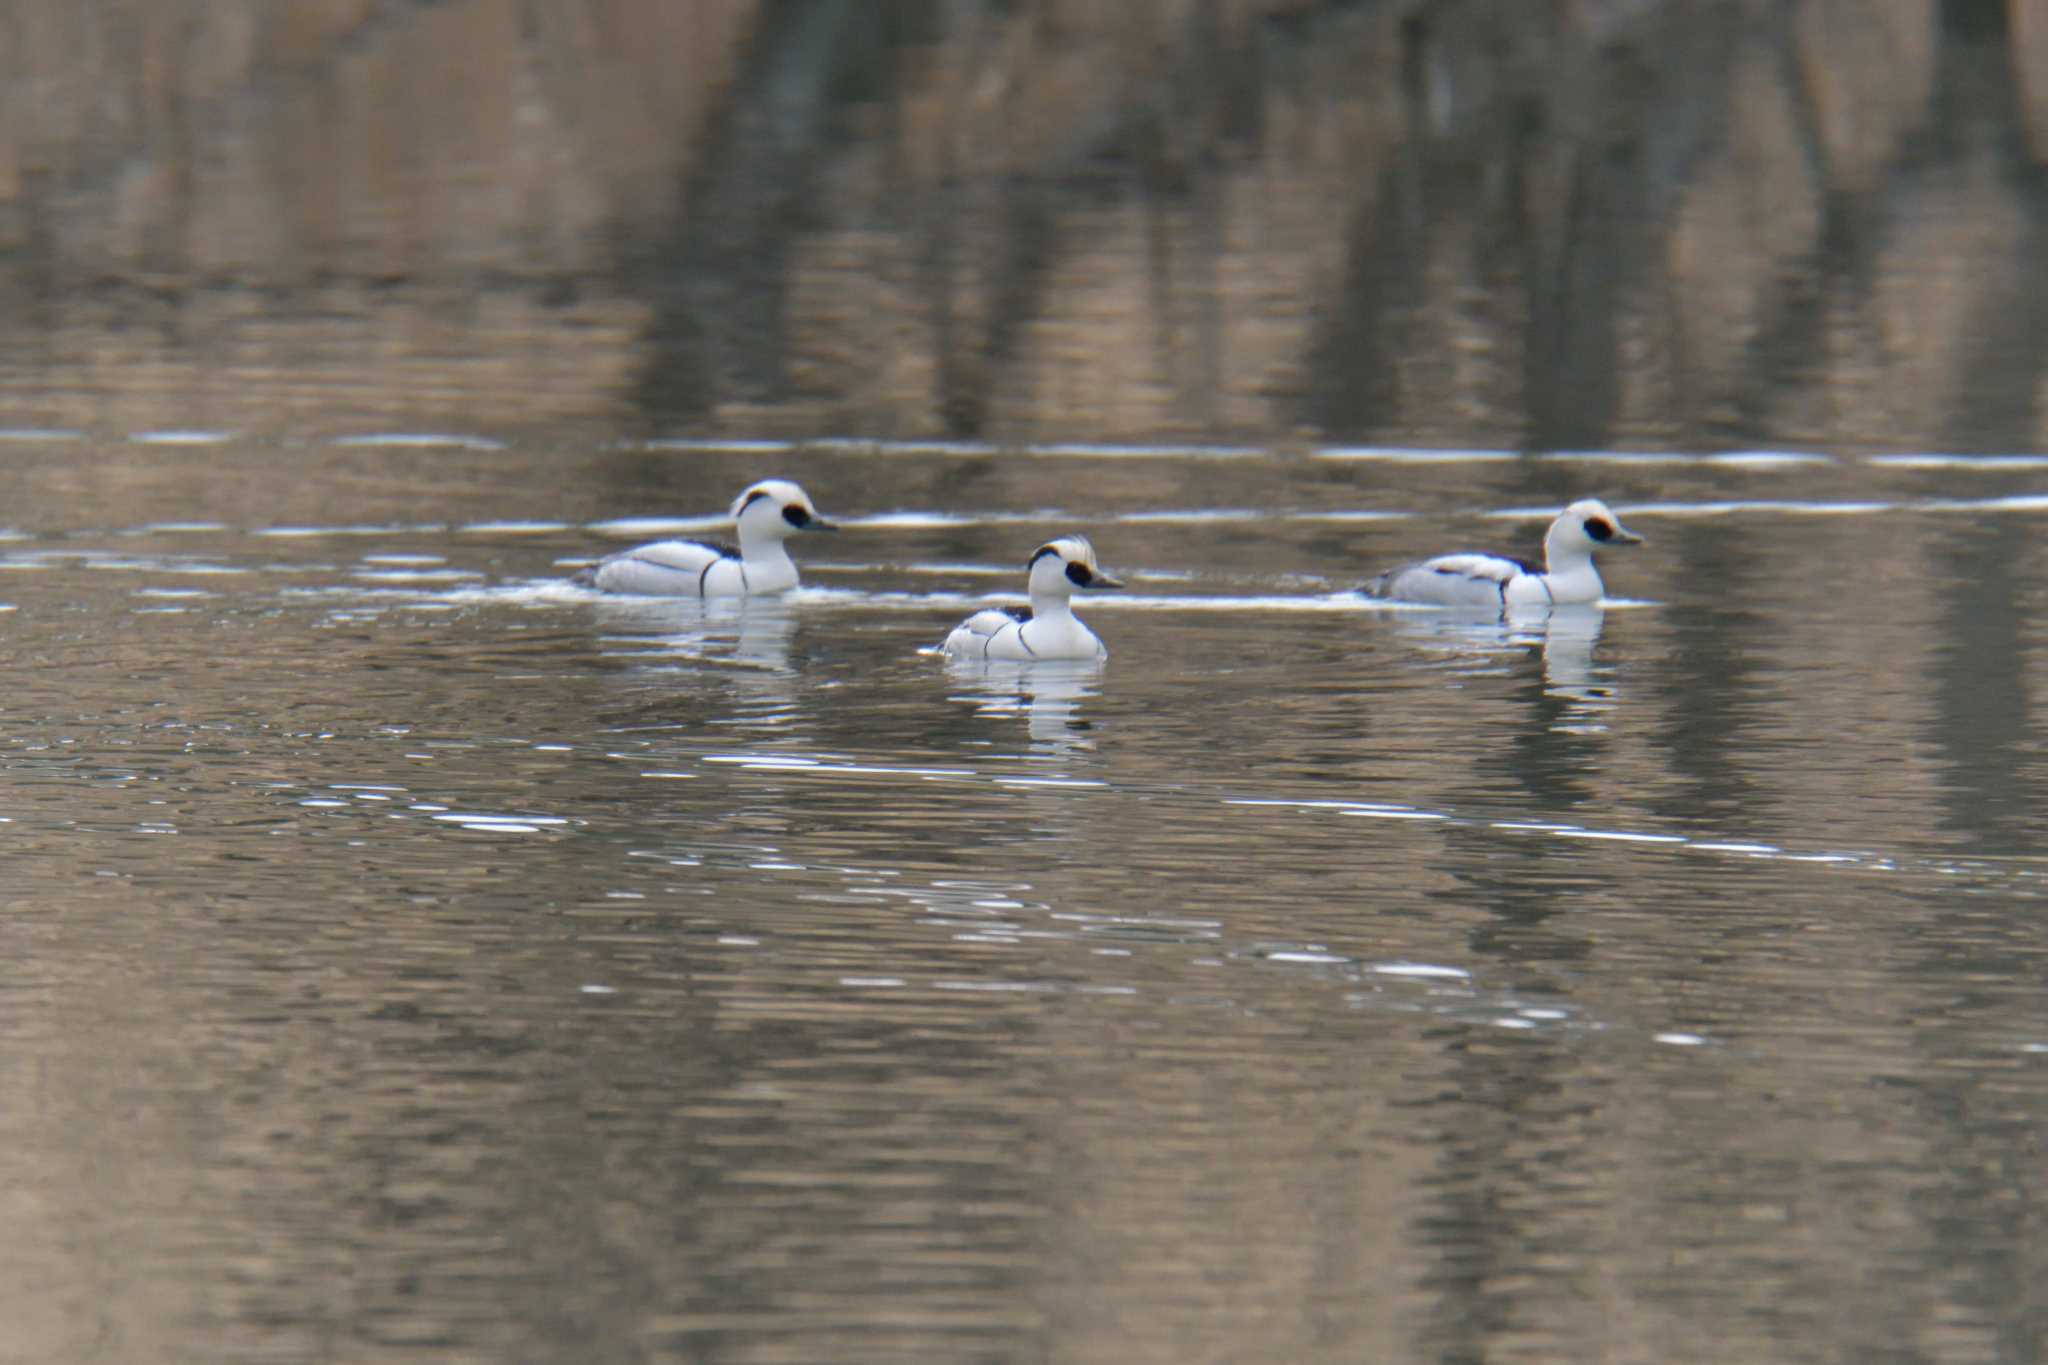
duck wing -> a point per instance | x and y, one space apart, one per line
1460 580
664 568
971 636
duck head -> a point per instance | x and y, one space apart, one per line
1061 567
1585 526
775 509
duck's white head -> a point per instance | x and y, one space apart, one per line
775 509
1058 567
1585 526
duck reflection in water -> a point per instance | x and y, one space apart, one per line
1564 636
748 633
1049 695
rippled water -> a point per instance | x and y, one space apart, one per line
411 956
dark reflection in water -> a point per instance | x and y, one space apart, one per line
1810 223
1719 723
1982 724
413 958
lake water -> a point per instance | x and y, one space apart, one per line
409 956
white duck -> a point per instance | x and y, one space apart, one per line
765 515
1048 628
1482 580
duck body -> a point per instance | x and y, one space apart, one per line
1499 582
765 516
1048 628
689 568
1021 634
1464 580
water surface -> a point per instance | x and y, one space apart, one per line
414 957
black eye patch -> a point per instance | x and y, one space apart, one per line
796 516
1081 575
1599 530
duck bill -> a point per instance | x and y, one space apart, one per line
820 524
1103 580
1622 537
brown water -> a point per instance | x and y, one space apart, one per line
412 957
